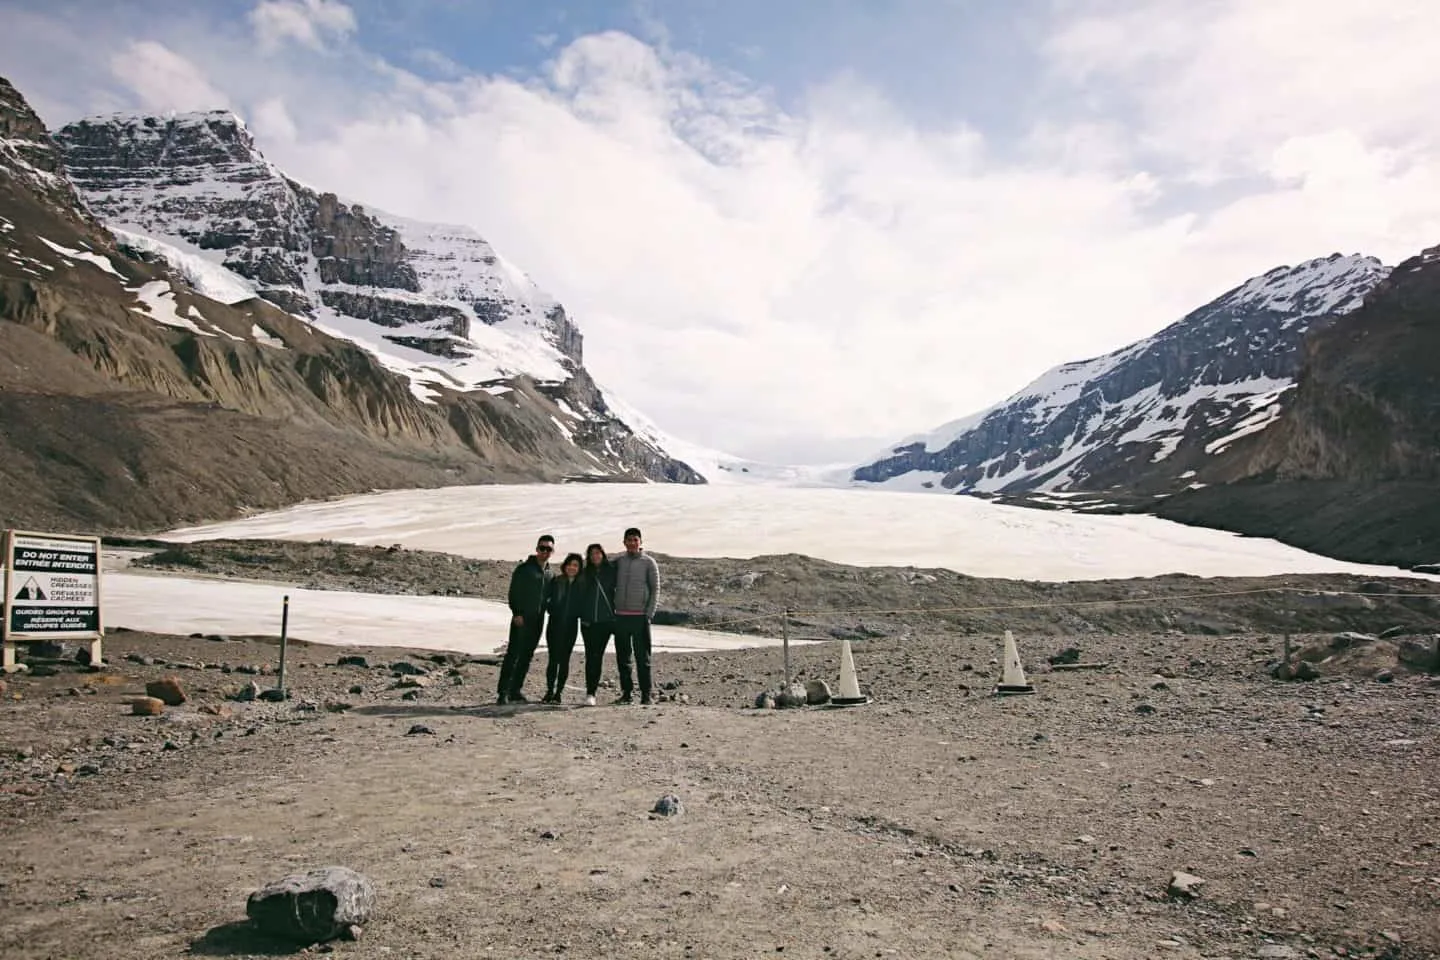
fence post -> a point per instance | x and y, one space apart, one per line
785 642
284 631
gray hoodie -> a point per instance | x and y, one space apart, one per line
637 584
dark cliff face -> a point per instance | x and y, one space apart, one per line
1367 406
1149 417
1351 468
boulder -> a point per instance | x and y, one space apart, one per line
817 692
167 690
312 907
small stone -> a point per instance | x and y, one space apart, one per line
817 692
668 806
1276 951
1052 926
147 706
1144 709
419 729
1184 886
407 668
274 695
410 695
352 660
356 689
221 710
437 882
791 696
247 693
167 690
169 745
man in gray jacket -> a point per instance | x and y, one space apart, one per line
637 587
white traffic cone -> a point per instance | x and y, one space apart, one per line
849 694
1012 677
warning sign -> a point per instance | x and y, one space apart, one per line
52 587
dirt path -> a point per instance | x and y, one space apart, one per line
935 822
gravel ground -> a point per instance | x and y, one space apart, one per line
937 821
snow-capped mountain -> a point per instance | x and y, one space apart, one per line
1148 417
434 303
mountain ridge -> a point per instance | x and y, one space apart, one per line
130 400
1147 416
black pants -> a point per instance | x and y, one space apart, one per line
559 645
632 636
523 641
597 637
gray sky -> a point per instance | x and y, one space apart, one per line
798 231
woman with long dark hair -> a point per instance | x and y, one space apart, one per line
597 614
562 601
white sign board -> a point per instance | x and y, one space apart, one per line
52 587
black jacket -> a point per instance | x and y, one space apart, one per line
597 594
528 589
562 602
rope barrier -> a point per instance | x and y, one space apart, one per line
882 611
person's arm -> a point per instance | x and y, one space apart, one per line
652 584
514 597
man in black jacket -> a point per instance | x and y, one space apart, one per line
527 608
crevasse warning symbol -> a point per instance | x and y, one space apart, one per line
31 591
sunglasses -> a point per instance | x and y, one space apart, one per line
544 549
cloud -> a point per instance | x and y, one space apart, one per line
306 22
163 80
827 270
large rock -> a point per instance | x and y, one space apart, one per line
312 907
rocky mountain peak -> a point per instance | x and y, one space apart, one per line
421 292
1148 417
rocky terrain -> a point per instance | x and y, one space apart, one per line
1149 418
1176 801
130 399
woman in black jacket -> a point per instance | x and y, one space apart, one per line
562 601
597 614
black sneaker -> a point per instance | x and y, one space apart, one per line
645 700
518 697
501 700
624 698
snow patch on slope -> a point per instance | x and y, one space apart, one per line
207 277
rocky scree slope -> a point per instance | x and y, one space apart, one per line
1352 466
1149 418
130 400
433 303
